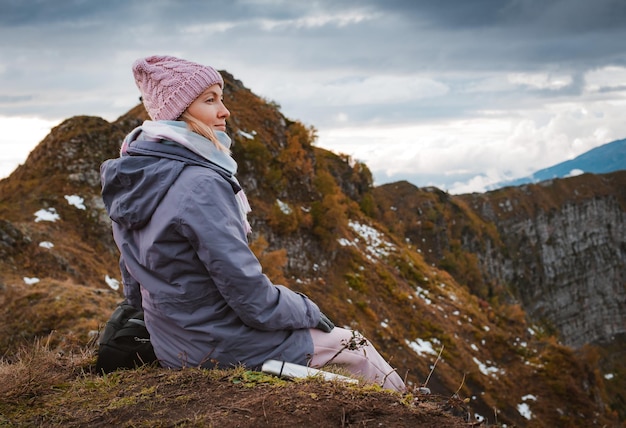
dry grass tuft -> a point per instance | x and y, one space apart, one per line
37 370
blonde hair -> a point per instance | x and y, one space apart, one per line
203 129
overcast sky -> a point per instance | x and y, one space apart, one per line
457 94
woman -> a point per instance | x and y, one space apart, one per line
179 221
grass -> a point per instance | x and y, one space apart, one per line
42 388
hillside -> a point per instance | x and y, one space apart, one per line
427 300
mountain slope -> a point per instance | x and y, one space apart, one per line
320 227
558 246
600 160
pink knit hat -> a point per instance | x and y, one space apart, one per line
169 85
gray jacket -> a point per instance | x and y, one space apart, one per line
178 227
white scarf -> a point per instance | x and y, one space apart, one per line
177 131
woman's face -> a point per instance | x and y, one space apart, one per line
209 108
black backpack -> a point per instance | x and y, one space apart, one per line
125 341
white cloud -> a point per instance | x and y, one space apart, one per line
340 20
208 29
376 90
464 156
606 77
19 136
541 80
353 90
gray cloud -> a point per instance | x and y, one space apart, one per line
336 63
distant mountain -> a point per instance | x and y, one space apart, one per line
601 160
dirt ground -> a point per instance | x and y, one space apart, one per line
203 398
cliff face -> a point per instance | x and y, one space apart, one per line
558 247
566 256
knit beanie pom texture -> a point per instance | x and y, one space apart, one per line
168 85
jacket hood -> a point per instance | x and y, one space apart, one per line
133 187
134 184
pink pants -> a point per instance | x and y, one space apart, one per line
349 349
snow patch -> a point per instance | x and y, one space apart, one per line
284 207
46 214
113 283
376 245
421 347
76 201
575 172
421 293
345 242
485 369
524 410
249 136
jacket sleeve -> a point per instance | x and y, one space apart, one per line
132 291
212 222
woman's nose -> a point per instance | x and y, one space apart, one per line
224 112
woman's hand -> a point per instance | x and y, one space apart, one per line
325 324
